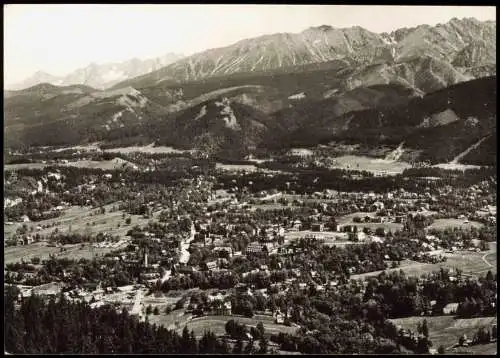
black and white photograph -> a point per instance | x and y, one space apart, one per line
266 179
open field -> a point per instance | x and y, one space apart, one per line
88 147
112 164
8 167
14 254
269 206
481 349
471 263
217 324
237 167
374 165
410 268
329 238
174 320
393 227
76 252
348 220
441 224
78 218
162 300
150 149
294 235
244 167
445 330
456 166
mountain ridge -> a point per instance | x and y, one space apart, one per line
326 43
99 76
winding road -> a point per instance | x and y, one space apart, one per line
136 309
492 250
185 246
486 261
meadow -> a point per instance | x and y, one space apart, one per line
442 224
217 324
348 220
446 330
76 219
470 263
374 165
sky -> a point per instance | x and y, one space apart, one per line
59 39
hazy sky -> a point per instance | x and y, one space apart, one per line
61 38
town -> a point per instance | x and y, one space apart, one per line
196 246
253 179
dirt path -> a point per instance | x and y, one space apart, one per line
486 261
465 152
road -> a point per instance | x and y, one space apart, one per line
136 309
185 246
492 250
486 261
271 196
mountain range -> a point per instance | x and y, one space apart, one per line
452 52
433 88
100 75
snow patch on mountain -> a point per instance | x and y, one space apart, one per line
330 93
132 99
203 112
101 75
113 75
296 96
140 100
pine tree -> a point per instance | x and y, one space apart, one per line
263 345
193 345
260 329
425 329
249 348
207 343
238 347
419 328
14 323
223 346
185 340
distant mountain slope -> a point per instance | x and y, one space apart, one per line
73 118
441 43
47 90
415 86
30 106
218 127
100 75
310 113
441 124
